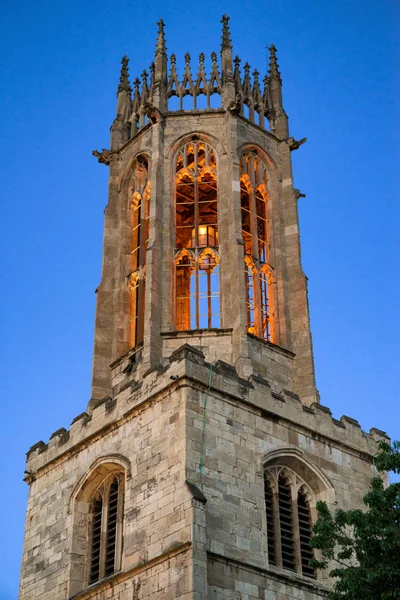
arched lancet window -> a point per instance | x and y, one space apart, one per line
258 273
139 207
97 507
289 523
197 303
106 528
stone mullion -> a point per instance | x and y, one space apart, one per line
196 235
143 236
256 272
140 308
103 538
277 526
119 532
296 529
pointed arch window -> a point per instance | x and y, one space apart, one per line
258 273
139 209
289 525
106 529
197 298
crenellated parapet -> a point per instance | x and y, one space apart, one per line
217 85
187 367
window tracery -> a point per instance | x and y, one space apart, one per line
97 508
139 208
258 273
289 524
106 528
197 303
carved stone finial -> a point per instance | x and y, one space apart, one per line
136 95
124 85
215 80
145 88
187 83
226 39
173 59
152 72
273 64
256 90
160 46
268 109
201 81
236 76
246 81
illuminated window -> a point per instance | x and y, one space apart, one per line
258 273
196 246
288 521
139 206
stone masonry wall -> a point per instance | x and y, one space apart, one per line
158 505
173 542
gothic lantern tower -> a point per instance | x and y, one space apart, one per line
196 469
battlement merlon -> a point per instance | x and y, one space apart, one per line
188 367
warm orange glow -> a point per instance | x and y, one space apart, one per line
196 270
255 224
139 208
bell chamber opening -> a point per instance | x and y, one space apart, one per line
197 286
258 272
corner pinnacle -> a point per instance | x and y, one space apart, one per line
124 85
273 64
226 39
160 46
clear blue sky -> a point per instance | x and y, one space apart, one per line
59 72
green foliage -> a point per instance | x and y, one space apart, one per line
364 546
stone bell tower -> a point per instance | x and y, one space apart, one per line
195 470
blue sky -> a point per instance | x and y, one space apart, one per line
59 66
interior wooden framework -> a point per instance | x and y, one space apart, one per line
255 224
197 298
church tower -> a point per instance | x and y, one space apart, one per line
195 470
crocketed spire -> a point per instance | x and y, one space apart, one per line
273 64
160 46
226 39
124 85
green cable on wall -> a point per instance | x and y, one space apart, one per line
203 432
